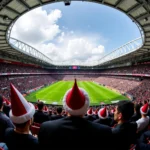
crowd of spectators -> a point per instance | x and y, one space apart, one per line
135 69
12 68
140 90
24 83
135 86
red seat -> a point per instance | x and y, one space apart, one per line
35 130
132 147
148 140
37 124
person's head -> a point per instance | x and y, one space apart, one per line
40 105
137 108
50 112
123 111
90 111
24 125
59 110
76 101
144 110
103 113
22 112
1 102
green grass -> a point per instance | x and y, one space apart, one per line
55 92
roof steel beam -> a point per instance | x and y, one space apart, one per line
2 30
4 47
146 25
118 3
12 10
24 4
40 2
103 1
143 16
4 24
134 8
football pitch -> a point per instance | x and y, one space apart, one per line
53 94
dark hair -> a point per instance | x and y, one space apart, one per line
126 107
137 108
1 101
40 105
59 110
21 125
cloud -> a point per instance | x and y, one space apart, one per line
41 30
37 26
73 50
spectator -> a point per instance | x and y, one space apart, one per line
21 114
74 129
90 116
137 114
5 122
124 134
144 141
40 116
143 122
103 117
59 115
7 106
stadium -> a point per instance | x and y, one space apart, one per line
122 74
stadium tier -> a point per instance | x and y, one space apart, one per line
130 81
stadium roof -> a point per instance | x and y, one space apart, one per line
11 10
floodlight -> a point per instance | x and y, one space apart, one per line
67 2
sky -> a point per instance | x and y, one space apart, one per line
81 33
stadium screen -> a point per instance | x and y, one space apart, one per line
74 67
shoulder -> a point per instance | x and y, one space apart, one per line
3 146
115 130
9 130
101 128
53 123
32 138
3 116
140 120
96 121
50 127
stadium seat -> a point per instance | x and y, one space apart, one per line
148 141
35 130
132 147
36 124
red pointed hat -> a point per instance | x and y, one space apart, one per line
144 109
21 111
35 106
90 112
96 112
76 101
45 109
103 113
